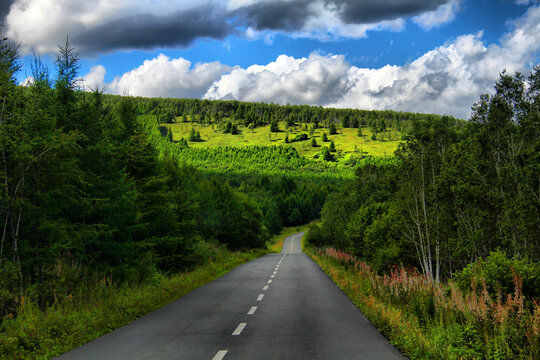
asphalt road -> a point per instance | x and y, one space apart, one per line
280 306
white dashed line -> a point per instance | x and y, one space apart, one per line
220 355
252 310
269 281
265 288
239 329
273 276
274 272
260 297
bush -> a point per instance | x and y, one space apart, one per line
498 271
300 137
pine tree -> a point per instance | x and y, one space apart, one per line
274 126
332 130
313 142
332 147
324 137
169 135
228 127
326 155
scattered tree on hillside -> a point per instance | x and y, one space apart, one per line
194 136
332 147
274 126
332 130
324 138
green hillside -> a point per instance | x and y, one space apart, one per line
346 140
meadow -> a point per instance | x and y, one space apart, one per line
346 140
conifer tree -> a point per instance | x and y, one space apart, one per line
332 130
332 147
324 137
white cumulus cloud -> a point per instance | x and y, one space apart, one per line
166 77
313 80
444 14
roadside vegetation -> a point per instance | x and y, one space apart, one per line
101 305
449 320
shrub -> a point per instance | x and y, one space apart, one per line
498 272
301 137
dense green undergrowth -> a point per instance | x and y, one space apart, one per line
101 307
426 320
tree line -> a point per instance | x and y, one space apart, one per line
228 113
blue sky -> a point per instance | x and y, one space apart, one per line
414 55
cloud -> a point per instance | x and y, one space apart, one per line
276 15
313 80
4 9
444 14
108 25
147 31
95 79
166 77
372 11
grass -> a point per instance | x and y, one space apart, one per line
437 321
346 141
37 334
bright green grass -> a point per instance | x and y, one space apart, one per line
346 140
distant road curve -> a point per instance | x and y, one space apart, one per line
280 306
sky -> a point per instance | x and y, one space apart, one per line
430 56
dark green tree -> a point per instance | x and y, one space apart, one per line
332 130
332 147
324 138
274 126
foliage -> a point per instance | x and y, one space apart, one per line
300 137
498 273
87 193
454 195
332 129
195 136
426 320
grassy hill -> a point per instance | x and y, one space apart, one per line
346 140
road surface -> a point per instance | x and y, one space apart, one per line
280 306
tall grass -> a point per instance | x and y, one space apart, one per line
101 308
427 320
